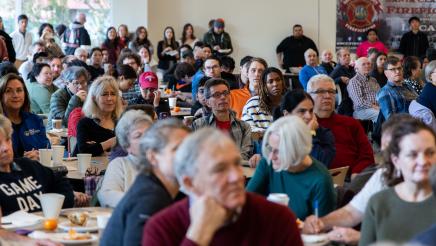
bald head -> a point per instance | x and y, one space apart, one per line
81 18
363 66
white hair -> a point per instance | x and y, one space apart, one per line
295 141
5 126
306 53
128 122
318 78
79 51
186 158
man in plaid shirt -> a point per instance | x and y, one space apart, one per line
362 89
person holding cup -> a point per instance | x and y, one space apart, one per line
29 131
72 96
24 180
102 108
287 168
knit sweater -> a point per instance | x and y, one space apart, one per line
119 176
389 218
260 223
303 188
352 146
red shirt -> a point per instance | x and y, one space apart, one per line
223 125
352 145
260 223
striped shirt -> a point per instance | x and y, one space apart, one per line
258 119
362 90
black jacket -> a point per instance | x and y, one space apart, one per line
293 50
414 44
9 45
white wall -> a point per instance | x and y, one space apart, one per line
256 26
133 13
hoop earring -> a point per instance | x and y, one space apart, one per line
397 173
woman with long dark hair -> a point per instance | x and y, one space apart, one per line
112 44
167 50
188 36
141 39
378 69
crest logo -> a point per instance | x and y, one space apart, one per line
360 14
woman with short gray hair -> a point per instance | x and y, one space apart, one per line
426 98
154 188
122 171
286 167
72 96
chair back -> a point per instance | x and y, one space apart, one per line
338 175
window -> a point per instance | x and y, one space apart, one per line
58 12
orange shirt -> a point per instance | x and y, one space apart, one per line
238 99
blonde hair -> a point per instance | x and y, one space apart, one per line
295 141
90 107
5 126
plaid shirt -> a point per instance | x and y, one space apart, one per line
362 90
395 99
131 95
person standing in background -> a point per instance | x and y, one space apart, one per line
414 42
22 40
76 35
290 52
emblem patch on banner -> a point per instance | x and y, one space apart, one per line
360 14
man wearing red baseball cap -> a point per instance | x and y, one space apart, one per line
148 82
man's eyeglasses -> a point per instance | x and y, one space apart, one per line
79 83
323 92
395 69
212 67
218 95
201 91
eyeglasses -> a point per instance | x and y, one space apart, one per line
218 95
78 83
395 69
323 92
212 67
271 150
201 91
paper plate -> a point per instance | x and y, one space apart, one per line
314 238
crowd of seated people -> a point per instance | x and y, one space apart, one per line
181 182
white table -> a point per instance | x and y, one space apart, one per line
100 162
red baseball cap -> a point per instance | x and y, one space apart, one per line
148 80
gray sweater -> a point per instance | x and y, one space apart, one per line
389 218
62 102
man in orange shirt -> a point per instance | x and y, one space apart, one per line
239 97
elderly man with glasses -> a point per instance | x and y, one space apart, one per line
216 92
352 146
395 97
72 96
218 211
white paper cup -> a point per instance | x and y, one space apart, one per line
279 198
84 161
57 124
51 204
172 101
45 157
58 154
102 220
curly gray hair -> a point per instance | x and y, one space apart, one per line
157 137
128 122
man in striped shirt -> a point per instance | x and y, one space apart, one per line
362 90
